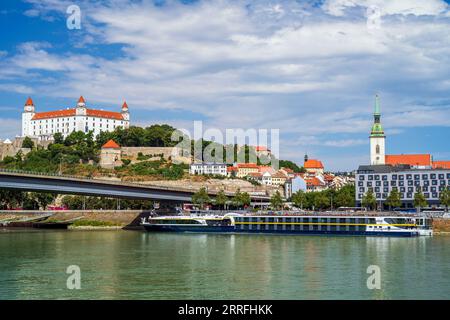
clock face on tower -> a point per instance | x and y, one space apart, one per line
29 108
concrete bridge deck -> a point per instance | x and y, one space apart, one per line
39 182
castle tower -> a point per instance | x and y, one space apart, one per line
27 114
377 137
81 102
81 112
125 111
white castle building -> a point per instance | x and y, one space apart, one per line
44 125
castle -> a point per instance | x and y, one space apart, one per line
43 125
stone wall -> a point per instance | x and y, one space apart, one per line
12 148
132 153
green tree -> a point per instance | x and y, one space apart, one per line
321 201
369 200
291 165
241 199
245 199
27 143
43 199
58 138
393 200
201 198
419 200
444 198
221 199
276 202
345 196
299 199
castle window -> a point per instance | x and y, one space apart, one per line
377 149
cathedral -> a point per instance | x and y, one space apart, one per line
43 125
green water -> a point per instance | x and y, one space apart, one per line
139 265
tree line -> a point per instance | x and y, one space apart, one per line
394 200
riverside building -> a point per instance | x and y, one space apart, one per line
406 173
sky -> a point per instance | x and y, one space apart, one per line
308 68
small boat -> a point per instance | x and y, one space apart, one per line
291 224
51 225
54 224
24 222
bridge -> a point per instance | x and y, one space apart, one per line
61 184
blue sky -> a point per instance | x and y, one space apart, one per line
308 68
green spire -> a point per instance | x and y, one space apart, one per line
377 128
377 105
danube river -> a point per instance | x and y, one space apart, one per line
140 265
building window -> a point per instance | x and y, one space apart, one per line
377 149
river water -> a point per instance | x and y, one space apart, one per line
139 265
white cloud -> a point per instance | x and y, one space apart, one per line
274 64
9 127
388 7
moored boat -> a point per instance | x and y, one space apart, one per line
292 224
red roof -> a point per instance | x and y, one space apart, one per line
111 144
29 102
408 159
248 165
261 148
313 164
54 114
104 114
441 164
72 112
255 174
314 182
125 105
81 100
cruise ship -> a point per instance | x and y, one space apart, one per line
293 224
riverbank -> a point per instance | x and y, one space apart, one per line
130 219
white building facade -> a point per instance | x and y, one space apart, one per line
44 125
208 168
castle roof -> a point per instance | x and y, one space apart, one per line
29 102
72 112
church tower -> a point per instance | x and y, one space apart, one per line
377 137
27 115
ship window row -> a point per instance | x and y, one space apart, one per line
274 220
305 228
173 221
